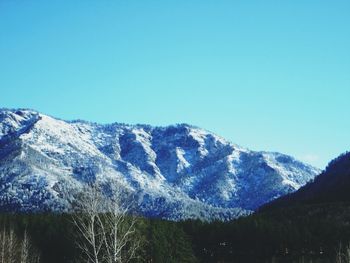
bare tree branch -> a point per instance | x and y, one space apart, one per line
106 227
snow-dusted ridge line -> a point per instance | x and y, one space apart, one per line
175 172
138 125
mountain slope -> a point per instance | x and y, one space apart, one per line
331 186
175 172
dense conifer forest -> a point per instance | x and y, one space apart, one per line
298 234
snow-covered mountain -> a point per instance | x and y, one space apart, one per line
175 172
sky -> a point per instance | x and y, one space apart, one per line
267 75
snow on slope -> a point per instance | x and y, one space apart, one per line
175 172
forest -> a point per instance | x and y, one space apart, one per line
297 234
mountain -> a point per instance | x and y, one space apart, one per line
331 186
174 172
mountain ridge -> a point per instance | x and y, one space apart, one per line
178 171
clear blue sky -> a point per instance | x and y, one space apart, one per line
268 75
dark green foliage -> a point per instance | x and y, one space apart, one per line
288 235
54 235
297 234
169 243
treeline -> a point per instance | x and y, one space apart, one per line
296 234
54 236
317 233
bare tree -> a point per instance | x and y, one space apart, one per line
107 230
14 250
3 246
342 254
121 240
12 246
25 247
88 221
